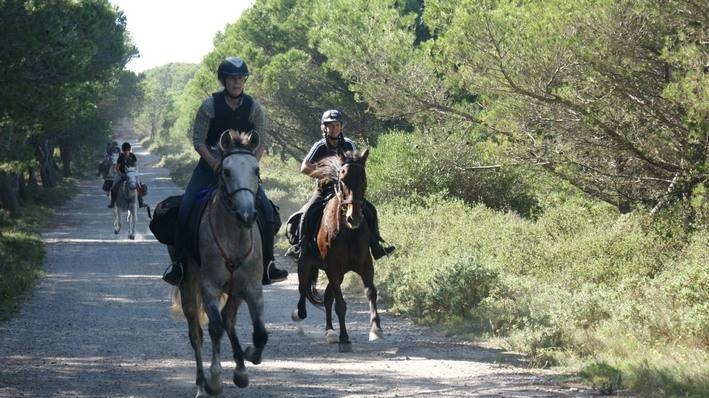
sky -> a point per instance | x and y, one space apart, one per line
176 31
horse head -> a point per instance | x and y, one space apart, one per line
351 186
239 175
132 178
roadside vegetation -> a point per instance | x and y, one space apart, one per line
63 86
540 166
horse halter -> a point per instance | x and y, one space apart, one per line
227 195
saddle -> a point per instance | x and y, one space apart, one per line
313 221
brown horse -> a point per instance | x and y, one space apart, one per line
343 245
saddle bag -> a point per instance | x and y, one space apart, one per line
164 220
107 184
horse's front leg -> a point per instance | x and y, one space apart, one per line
330 335
304 268
132 215
216 331
370 291
229 313
341 309
254 299
117 222
192 313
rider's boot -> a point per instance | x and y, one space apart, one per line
375 240
174 272
141 204
379 251
271 273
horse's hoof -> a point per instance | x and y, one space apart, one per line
131 237
295 317
345 347
216 390
115 232
376 334
241 379
331 337
252 355
201 394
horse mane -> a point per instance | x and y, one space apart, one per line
327 170
232 140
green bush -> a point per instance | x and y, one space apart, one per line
454 164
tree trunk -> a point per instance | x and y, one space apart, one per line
66 160
32 180
9 192
48 170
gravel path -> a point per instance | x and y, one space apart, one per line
98 325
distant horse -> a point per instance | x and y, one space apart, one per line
107 171
230 266
127 201
343 245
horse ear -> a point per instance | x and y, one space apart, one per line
254 141
340 153
364 156
225 140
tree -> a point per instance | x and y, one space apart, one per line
60 59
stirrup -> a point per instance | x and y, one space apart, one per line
293 251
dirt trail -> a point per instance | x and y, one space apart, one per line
98 325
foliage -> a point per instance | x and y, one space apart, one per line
581 281
163 87
61 71
454 164
603 377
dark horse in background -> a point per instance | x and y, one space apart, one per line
230 266
342 241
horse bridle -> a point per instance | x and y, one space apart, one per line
227 195
338 192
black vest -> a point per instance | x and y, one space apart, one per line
225 118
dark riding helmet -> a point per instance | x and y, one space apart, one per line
232 66
125 146
331 115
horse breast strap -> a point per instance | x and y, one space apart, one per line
231 265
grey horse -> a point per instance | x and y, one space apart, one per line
127 201
230 266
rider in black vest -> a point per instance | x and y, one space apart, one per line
227 109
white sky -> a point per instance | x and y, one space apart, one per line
176 31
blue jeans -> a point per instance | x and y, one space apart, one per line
202 177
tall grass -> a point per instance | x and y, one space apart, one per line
21 250
580 285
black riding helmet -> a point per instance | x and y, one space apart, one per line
232 66
125 146
332 115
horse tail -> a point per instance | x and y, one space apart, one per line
312 293
176 308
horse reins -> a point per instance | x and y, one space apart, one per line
338 192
